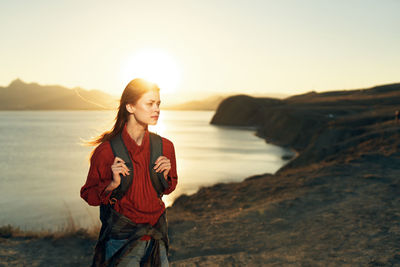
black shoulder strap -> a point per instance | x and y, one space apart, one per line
119 149
157 179
156 150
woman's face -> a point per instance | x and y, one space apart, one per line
147 108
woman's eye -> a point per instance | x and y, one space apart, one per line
151 104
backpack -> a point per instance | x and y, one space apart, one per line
157 179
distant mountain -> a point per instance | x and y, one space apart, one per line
209 103
19 95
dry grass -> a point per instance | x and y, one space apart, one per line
70 229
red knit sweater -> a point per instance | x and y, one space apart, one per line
140 203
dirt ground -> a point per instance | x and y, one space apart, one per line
335 215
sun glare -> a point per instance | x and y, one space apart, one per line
155 66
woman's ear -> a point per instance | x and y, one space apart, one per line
130 108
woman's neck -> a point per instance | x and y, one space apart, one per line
136 131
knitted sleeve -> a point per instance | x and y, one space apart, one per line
99 176
169 152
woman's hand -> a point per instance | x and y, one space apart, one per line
162 164
118 167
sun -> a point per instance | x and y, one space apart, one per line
155 66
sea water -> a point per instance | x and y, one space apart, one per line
43 163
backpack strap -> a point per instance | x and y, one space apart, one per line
119 149
156 150
157 179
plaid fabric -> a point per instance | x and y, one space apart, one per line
120 227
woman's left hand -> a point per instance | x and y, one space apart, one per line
162 164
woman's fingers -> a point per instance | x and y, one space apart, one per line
121 171
161 160
161 165
119 167
165 166
117 160
122 165
120 162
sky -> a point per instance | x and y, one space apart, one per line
196 48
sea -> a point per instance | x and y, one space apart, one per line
44 161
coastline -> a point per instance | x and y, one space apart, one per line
336 203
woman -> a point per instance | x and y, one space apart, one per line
143 237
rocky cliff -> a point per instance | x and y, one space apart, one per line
335 204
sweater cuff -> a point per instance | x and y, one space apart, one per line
171 184
103 195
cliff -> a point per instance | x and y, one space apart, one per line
336 203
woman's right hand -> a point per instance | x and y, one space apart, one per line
118 167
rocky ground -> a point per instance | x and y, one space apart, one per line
45 249
336 204
320 215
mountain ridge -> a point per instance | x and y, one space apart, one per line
32 96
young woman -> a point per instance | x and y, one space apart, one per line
142 239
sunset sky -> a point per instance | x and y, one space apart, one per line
194 48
